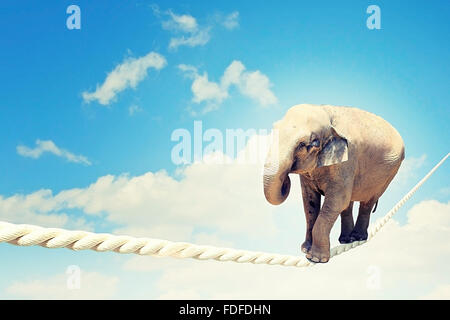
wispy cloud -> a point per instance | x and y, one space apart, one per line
133 109
184 22
231 21
409 168
125 75
198 38
48 146
253 84
187 24
188 32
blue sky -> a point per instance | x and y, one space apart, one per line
319 52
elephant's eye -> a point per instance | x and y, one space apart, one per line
315 143
300 147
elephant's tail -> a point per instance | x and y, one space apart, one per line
376 205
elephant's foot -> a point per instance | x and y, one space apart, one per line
306 246
357 235
318 255
345 238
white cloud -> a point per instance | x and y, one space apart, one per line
184 23
224 205
93 285
194 35
257 86
39 208
205 90
158 205
419 215
233 74
253 84
231 21
401 262
128 74
188 32
198 38
48 146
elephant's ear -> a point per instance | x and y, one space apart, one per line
334 151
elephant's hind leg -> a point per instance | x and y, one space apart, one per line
359 232
346 224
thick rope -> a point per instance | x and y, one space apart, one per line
29 235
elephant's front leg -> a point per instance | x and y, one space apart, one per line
332 207
311 205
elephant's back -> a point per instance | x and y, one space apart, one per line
373 134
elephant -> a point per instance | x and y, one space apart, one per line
342 153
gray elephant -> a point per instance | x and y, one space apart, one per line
344 154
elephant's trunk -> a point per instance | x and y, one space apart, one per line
276 183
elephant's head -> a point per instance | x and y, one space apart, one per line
305 140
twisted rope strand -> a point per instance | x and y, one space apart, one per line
30 235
